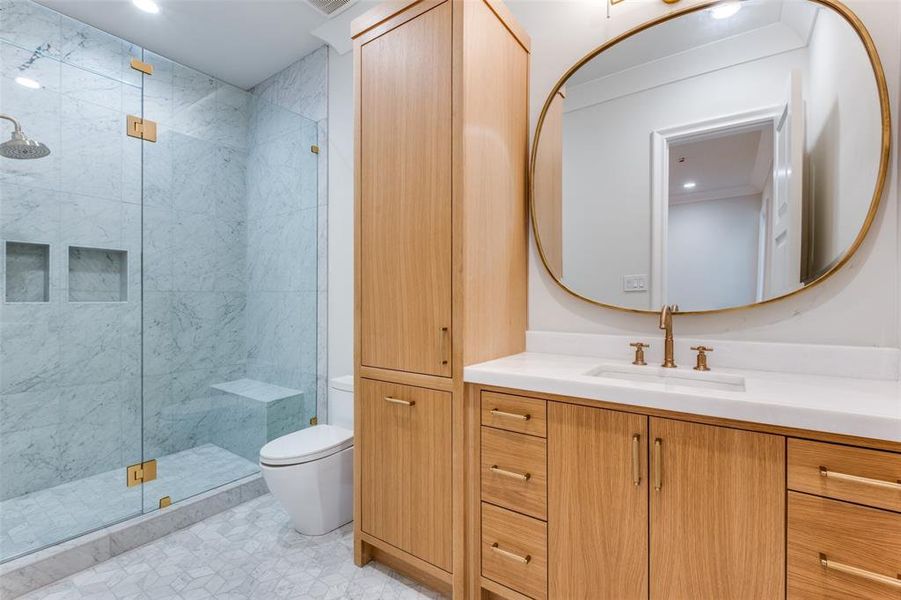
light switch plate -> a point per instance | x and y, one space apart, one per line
635 283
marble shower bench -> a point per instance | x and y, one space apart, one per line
252 413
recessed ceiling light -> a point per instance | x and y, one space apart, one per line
689 185
28 82
148 6
724 10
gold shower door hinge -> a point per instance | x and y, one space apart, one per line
314 421
143 129
140 65
140 473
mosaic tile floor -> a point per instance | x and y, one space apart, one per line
248 552
45 517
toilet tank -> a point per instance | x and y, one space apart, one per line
341 401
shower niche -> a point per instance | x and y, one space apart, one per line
27 272
98 275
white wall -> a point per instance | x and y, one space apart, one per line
839 127
340 214
712 252
857 306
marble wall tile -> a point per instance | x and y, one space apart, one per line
282 252
29 347
28 410
97 275
208 328
302 87
29 214
30 26
91 221
94 50
28 460
208 254
90 149
90 342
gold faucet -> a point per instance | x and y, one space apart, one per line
666 322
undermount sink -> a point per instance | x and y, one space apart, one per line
678 377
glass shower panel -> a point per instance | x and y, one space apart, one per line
70 318
229 243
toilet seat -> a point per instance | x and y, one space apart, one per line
306 445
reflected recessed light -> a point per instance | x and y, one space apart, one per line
28 82
147 6
724 10
689 185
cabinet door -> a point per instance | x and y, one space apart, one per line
717 512
405 449
405 197
597 515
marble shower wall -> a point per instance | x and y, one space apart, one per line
300 89
224 227
69 371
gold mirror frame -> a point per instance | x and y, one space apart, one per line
885 152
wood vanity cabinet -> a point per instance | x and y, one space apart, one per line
717 519
441 94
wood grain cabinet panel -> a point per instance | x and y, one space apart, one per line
858 475
405 448
514 471
514 551
718 517
597 515
867 540
405 199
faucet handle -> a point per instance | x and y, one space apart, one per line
639 352
702 357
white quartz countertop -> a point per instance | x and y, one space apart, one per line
860 407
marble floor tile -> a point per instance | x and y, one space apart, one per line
248 552
48 516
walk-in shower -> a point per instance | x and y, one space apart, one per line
21 146
158 317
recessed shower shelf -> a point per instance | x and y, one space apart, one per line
27 272
98 275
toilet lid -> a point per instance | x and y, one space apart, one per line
305 445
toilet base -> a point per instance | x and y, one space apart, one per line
317 495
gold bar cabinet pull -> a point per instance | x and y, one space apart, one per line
399 401
511 474
889 485
636 459
499 413
445 334
894 582
512 556
658 464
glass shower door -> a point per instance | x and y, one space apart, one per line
229 312
70 316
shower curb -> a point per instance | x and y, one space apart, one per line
33 571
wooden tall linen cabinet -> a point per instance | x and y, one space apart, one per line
441 93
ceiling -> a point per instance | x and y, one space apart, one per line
723 166
696 30
241 42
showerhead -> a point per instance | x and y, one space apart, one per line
21 146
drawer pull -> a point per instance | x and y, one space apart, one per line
889 485
636 459
513 474
509 415
842 568
399 401
658 464
511 555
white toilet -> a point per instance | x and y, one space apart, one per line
310 472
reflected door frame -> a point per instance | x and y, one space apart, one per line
660 143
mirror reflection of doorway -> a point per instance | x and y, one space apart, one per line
727 209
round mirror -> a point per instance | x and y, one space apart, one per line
722 156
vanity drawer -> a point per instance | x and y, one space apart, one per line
514 551
514 471
514 413
839 551
858 475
